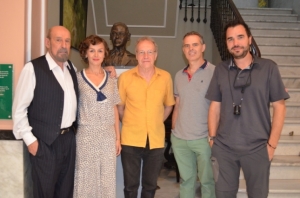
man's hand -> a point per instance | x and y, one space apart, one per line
213 120
271 152
33 147
211 142
111 70
118 147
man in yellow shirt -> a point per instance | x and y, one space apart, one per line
146 101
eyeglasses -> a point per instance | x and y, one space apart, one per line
121 34
142 53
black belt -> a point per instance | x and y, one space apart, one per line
66 130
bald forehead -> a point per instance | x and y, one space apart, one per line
59 31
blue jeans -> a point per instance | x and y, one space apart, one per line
132 158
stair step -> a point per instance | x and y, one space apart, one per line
292 121
291 124
265 10
286 160
290 139
289 69
283 167
278 188
282 59
292 109
277 40
270 17
294 95
276 30
285 170
291 81
283 49
289 145
273 23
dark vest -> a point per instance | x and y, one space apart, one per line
46 109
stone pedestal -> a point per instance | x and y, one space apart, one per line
11 164
15 171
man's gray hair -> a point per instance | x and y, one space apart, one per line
146 38
196 34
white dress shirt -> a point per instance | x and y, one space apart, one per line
24 95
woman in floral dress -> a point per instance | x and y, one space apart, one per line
98 134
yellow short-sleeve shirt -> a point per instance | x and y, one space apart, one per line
144 107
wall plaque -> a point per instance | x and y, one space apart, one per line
6 85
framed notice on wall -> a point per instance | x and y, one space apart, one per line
6 85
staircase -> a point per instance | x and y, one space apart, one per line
277 33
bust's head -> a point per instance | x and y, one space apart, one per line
119 35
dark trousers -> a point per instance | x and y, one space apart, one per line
226 168
53 168
151 160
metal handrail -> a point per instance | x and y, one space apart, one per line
223 11
192 5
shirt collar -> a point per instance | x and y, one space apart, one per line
201 67
52 64
156 71
232 64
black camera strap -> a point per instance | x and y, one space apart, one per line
243 87
233 104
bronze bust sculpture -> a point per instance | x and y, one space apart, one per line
119 56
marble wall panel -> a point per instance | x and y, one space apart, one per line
11 166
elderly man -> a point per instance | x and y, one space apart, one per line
189 121
44 112
119 56
239 121
146 101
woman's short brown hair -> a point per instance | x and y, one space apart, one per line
91 40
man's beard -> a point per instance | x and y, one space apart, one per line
240 56
62 57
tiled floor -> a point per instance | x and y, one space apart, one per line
169 188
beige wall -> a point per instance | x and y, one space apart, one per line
13 36
38 28
170 55
12 40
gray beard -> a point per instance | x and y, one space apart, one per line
63 58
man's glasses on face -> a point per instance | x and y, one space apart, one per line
149 53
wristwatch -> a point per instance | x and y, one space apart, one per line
210 138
